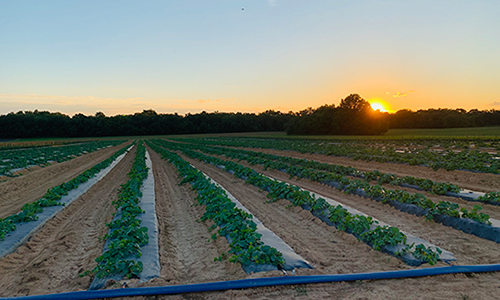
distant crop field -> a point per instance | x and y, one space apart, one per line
336 205
479 132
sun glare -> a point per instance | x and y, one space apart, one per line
379 105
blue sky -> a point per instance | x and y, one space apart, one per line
121 57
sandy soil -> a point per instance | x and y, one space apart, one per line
468 249
51 262
330 251
492 210
67 245
186 249
481 182
310 238
33 184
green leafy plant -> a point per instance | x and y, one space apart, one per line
234 223
379 237
126 236
51 198
427 254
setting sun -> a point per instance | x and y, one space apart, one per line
378 104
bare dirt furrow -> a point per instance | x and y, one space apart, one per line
67 245
186 250
481 182
468 249
17 191
492 210
330 251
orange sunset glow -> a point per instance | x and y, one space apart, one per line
189 57
379 104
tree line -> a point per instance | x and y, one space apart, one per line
35 124
444 118
353 116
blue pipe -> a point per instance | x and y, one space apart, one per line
260 282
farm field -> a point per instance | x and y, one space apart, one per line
52 260
34 182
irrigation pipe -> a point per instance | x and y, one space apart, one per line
261 282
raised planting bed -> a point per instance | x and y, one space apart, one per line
245 243
380 237
292 259
15 230
134 221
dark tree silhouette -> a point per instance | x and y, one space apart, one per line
354 116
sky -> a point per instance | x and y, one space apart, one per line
122 57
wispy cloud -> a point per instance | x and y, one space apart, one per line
89 105
210 100
272 2
400 94
496 103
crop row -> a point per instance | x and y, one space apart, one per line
269 160
234 224
355 185
445 212
471 160
51 198
9 145
364 228
126 235
439 188
12 160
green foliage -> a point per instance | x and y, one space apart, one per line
457 152
12 160
491 197
51 198
382 236
303 168
234 223
347 222
126 236
360 226
475 214
427 254
296 167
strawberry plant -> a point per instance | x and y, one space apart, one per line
427 254
381 151
51 198
491 197
475 214
13 160
126 236
382 236
235 224
345 184
361 226
302 168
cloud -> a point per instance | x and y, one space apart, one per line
272 2
399 94
209 100
496 103
88 105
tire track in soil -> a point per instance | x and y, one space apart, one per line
468 249
17 191
186 250
67 245
330 251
